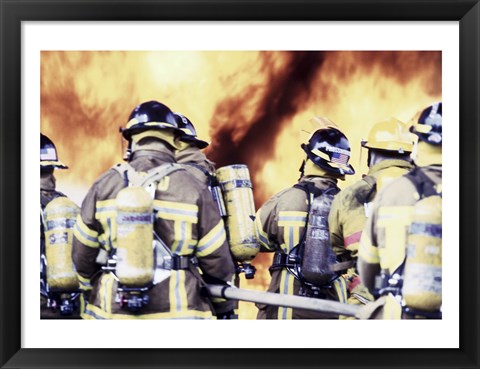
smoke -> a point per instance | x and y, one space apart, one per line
283 92
246 126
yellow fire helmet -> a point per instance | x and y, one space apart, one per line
48 154
390 135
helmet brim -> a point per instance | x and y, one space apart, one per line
336 168
127 133
194 141
53 165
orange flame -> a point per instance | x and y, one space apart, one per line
252 105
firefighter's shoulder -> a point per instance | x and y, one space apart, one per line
291 198
400 191
354 192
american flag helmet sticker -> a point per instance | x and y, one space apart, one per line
339 156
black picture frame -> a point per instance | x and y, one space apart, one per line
13 13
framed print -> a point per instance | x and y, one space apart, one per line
250 76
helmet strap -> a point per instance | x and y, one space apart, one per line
370 158
302 169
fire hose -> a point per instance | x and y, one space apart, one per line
291 301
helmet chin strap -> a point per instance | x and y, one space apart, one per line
302 169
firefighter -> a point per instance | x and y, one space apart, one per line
399 257
148 201
239 224
283 222
389 147
59 294
190 151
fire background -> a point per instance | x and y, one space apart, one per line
253 101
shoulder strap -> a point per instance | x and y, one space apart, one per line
310 189
424 185
211 178
132 177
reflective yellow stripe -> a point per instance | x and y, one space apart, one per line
212 241
341 288
163 184
169 210
83 305
262 235
182 237
85 235
106 214
85 284
292 218
291 236
103 292
291 221
106 208
286 288
394 220
178 293
109 292
367 251
93 312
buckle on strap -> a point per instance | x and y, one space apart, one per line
176 262
282 260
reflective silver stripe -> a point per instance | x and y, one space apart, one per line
60 224
183 226
91 313
291 218
85 235
85 284
291 245
215 239
189 213
263 239
106 208
178 306
426 229
285 291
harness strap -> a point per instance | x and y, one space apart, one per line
424 185
176 262
212 180
155 174
282 260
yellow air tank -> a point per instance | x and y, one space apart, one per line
422 285
60 215
134 237
237 192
